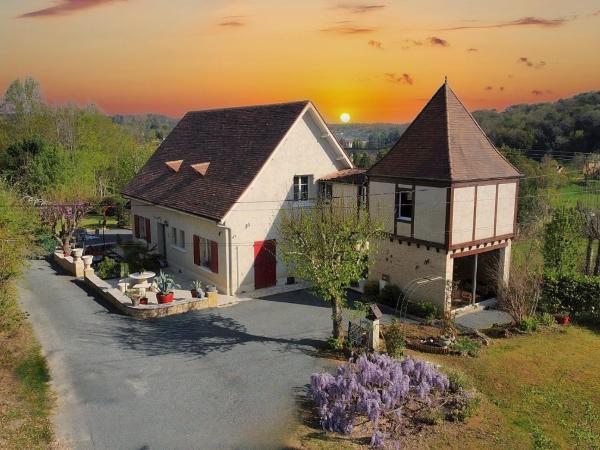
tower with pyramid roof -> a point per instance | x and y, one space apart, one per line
447 199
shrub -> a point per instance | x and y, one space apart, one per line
466 345
458 381
462 405
529 324
46 241
336 344
106 268
376 387
394 339
390 294
572 293
520 296
547 319
424 309
371 289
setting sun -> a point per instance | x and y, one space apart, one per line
345 117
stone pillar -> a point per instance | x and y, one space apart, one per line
213 299
374 335
448 281
504 255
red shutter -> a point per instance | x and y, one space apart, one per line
136 226
148 233
196 250
214 257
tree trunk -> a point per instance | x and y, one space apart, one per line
336 316
597 266
588 256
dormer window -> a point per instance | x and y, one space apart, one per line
405 206
301 187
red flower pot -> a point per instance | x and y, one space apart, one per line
143 301
194 293
563 319
166 298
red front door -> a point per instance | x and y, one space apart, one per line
265 264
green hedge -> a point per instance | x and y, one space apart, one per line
575 293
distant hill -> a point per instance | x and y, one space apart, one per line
560 128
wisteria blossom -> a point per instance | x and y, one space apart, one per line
376 387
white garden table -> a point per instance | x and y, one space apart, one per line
141 277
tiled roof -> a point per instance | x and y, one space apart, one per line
236 142
444 143
353 176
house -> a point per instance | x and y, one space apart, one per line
448 201
212 194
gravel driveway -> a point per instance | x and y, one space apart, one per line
224 378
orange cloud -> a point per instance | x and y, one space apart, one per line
438 42
359 9
348 29
399 79
65 7
530 63
376 44
524 21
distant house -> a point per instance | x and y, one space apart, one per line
448 201
212 194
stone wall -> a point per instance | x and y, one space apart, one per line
403 262
123 304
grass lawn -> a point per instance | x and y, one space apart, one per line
587 194
540 392
25 399
93 221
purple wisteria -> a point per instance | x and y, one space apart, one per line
376 387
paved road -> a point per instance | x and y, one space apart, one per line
226 378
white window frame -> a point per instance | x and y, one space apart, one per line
401 203
301 187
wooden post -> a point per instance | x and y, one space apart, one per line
474 279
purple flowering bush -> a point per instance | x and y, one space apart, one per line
378 389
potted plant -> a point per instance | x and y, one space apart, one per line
563 318
165 285
134 295
196 289
67 248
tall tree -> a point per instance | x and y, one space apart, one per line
328 245
560 240
591 231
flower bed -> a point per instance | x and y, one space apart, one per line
388 397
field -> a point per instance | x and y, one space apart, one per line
540 392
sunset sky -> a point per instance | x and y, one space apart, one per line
378 61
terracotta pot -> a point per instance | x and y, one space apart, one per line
143 301
164 298
563 319
194 293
